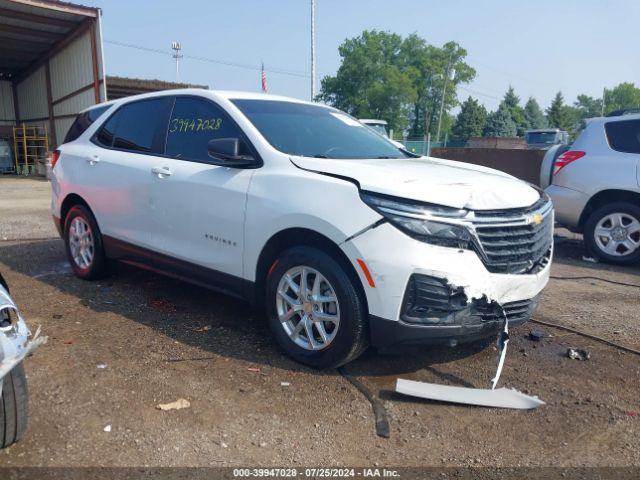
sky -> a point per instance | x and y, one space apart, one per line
538 47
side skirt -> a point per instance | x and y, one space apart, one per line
179 269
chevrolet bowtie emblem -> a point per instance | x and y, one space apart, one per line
536 219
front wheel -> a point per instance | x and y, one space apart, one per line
314 309
612 233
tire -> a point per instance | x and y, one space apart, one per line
92 264
626 254
346 339
13 406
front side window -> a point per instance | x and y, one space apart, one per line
193 123
624 136
315 131
138 127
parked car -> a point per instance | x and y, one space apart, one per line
344 239
382 128
544 138
595 187
13 382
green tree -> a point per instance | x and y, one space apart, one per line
624 95
470 121
399 80
588 107
371 82
500 123
562 116
433 69
534 115
512 102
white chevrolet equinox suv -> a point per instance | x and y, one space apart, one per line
343 238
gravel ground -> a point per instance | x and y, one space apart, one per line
159 340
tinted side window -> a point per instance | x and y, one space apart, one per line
624 136
82 122
106 132
193 123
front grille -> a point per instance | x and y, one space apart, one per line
519 311
508 241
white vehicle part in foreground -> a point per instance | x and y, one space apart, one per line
502 397
14 339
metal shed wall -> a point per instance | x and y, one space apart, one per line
64 82
7 113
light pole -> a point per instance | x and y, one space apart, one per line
444 89
176 47
313 49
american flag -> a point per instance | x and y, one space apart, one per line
264 80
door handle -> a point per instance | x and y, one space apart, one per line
161 172
93 159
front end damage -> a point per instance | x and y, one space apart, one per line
444 313
14 335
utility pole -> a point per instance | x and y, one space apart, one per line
176 47
604 95
444 89
313 49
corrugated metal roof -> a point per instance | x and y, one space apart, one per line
119 87
30 28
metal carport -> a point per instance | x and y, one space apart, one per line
51 63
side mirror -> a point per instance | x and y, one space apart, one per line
226 153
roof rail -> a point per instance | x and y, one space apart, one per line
623 111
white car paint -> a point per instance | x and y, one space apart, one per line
174 215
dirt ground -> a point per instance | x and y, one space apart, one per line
158 340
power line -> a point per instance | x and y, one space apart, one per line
280 71
476 92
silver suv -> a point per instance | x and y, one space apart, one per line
595 186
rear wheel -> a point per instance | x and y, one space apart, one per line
13 406
612 233
83 242
314 309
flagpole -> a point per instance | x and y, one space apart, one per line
313 49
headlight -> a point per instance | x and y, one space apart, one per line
422 221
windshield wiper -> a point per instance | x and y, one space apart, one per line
319 155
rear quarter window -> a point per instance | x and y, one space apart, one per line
82 122
624 136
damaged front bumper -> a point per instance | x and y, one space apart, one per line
428 294
14 335
436 312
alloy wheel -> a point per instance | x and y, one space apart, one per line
618 234
308 308
81 242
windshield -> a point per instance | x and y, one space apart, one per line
541 137
378 127
315 131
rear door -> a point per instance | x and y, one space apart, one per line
121 163
198 209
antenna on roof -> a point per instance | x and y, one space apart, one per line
176 47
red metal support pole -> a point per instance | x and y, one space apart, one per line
94 60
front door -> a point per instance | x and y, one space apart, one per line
198 209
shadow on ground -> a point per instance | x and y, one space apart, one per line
198 317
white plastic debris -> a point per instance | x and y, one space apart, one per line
179 404
107 428
284 384
501 398
101 366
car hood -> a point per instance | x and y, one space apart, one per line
431 180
